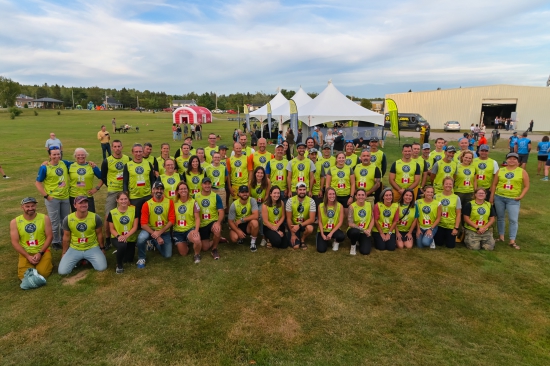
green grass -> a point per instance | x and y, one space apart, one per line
273 307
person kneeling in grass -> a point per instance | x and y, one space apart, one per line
479 216
243 218
299 221
331 217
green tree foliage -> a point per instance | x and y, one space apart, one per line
288 93
365 103
8 91
207 100
56 92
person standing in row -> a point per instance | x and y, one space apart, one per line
53 184
300 170
31 236
219 175
404 173
138 179
170 179
360 224
194 174
443 168
164 155
104 137
276 170
342 179
211 148
81 179
148 156
123 226
237 167
182 161
451 210
464 177
485 170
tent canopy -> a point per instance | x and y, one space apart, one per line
276 102
283 111
332 105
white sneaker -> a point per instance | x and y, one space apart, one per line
6 177
432 245
335 246
352 250
263 243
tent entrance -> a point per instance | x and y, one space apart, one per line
492 108
184 119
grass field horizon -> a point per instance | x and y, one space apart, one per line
272 307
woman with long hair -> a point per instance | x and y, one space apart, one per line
194 174
287 151
186 227
329 139
330 218
479 216
341 177
202 158
360 223
273 212
406 222
291 140
259 186
428 215
510 185
123 226
542 155
451 213
386 217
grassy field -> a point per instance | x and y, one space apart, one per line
273 307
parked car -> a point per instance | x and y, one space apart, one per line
407 121
451 126
231 111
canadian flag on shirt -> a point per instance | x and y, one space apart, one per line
182 222
341 185
119 177
159 223
480 223
32 243
279 178
386 225
82 240
124 233
330 226
300 219
206 216
445 214
362 225
481 177
140 183
426 222
467 183
300 179
508 186
405 180
362 185
195 191
171 193
403 223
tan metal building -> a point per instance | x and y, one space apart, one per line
481 103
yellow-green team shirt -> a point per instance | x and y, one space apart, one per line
259 159
209 152
158 213
242 210
331 218
443 170
300 171
426 213
449 205
300 213
170 183
387 214
139 184
182 163
217 175
377 158
510 182
326 162
317 178
160 162
83 235
436 156
124 221
405 173
365 176
258 193
115 173
193 181
406 218
341 180
239 171
479 215
32 233
185 215
484 172
464 178
207 205
275 214
277 173
362 215
56 183
82 180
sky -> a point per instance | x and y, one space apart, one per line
367 48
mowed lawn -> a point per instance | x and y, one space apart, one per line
272 307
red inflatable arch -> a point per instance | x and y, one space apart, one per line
192 115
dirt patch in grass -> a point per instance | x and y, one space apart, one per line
276 326
76 278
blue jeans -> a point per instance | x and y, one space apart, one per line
425 241
165 249
503 204
94 255
106 150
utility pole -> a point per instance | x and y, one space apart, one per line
72 94
216 100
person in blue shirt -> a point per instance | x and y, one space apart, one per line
523 147
513 139
280 138
542 149
315 136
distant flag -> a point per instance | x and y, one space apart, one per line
293 117
393 118
247 116
268 118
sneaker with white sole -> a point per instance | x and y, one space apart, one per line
6 177
140 263
432 245
545 179
335 246
215 254
197 258
352 250
119 270
263 243
253 247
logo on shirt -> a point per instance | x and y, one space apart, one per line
259 190
482 166
445 202
341 174
276 211
82 227
59 172
124 220
300 208
238 163
509 175
447 169
81 171
426 209
30 228
467 172
186 164
159 210
364 172
362 213
212 152
243 210
301 167
330 214
405 211
406 168
481 211
263 159
216 173
119 165
205 203
195 180
373 158
139 170
171 180
386 213
437 158
348 161
280 166
182 209
326 164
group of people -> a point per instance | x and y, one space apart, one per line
182 200
188 129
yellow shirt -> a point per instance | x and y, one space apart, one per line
103 137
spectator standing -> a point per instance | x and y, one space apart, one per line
192 131
338 145
185 130
315 136
198 131
280 138
329 139
542 149
178 132
321 137
291 140
54 142
113 122
300 137
523 148
104 137
531 124
174 132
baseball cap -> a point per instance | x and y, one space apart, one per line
375 139
279 145
158 184
313 151
484 147
326 146
301 184
512 155
515 133
451 149
222 147
426 146
80 199
300 144
28 200
340 131
243 189
206 180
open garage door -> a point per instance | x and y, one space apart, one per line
492 108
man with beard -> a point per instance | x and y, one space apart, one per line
300 216
404 173
276 170
300 170
31 236
157 217
243 219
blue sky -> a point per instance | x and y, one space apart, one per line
367 48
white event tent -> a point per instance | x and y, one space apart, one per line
332 105
277 101
282 113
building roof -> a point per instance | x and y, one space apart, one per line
47 100
113 101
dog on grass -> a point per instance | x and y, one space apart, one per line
119 129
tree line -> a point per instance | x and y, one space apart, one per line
9 90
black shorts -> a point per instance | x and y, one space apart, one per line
243 227
206 231
523 158
343 200
542 157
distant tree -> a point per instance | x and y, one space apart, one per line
96 95
365 103
41 92
56 92
8 91
287 93
125 98
205 100
313 95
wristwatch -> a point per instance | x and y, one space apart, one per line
46 196
42 253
